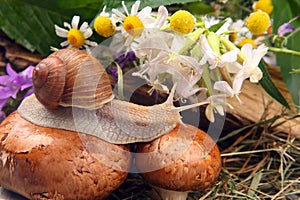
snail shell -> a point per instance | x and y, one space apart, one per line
71 78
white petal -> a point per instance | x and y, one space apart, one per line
230 56
234 67
103 13
162 16
61 32
135 8
65 43
192 63
145 13
209 113
67 25
84 27
75 21
219 109
203 60
125 8
237 84
88 33
247 51
118 15
256 75
91 43
260 52
204 44
224 87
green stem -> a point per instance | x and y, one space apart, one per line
285 51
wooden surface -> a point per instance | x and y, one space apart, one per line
18 56
258 105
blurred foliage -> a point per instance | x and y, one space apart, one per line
31 22
283 12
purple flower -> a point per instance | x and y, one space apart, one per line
122 60
12 83
286 27
114 72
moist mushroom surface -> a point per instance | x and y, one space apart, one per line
186 159
39 162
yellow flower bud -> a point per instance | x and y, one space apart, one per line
258 22
104 26
182 22
264 5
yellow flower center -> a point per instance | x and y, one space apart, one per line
75 37
264 5
133 25
104 26
246 41
258 22
182 22
172 57
233 37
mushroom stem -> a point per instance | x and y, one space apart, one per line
171 194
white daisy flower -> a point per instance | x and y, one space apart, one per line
134 22
240 27
75 37
209 21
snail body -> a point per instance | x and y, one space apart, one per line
84 102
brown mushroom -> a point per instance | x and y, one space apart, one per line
184 160
48 163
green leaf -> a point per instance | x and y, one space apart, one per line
152 3
215 27
31 22
268 85
199 8
283 12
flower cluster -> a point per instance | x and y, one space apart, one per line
178 48
12 83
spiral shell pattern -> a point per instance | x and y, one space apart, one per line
72 78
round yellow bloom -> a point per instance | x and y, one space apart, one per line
258 22
246 41
104 26
264 5
182 22
75 37
133 25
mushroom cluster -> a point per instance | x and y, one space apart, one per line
49 151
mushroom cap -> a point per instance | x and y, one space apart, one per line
185 159
39 162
